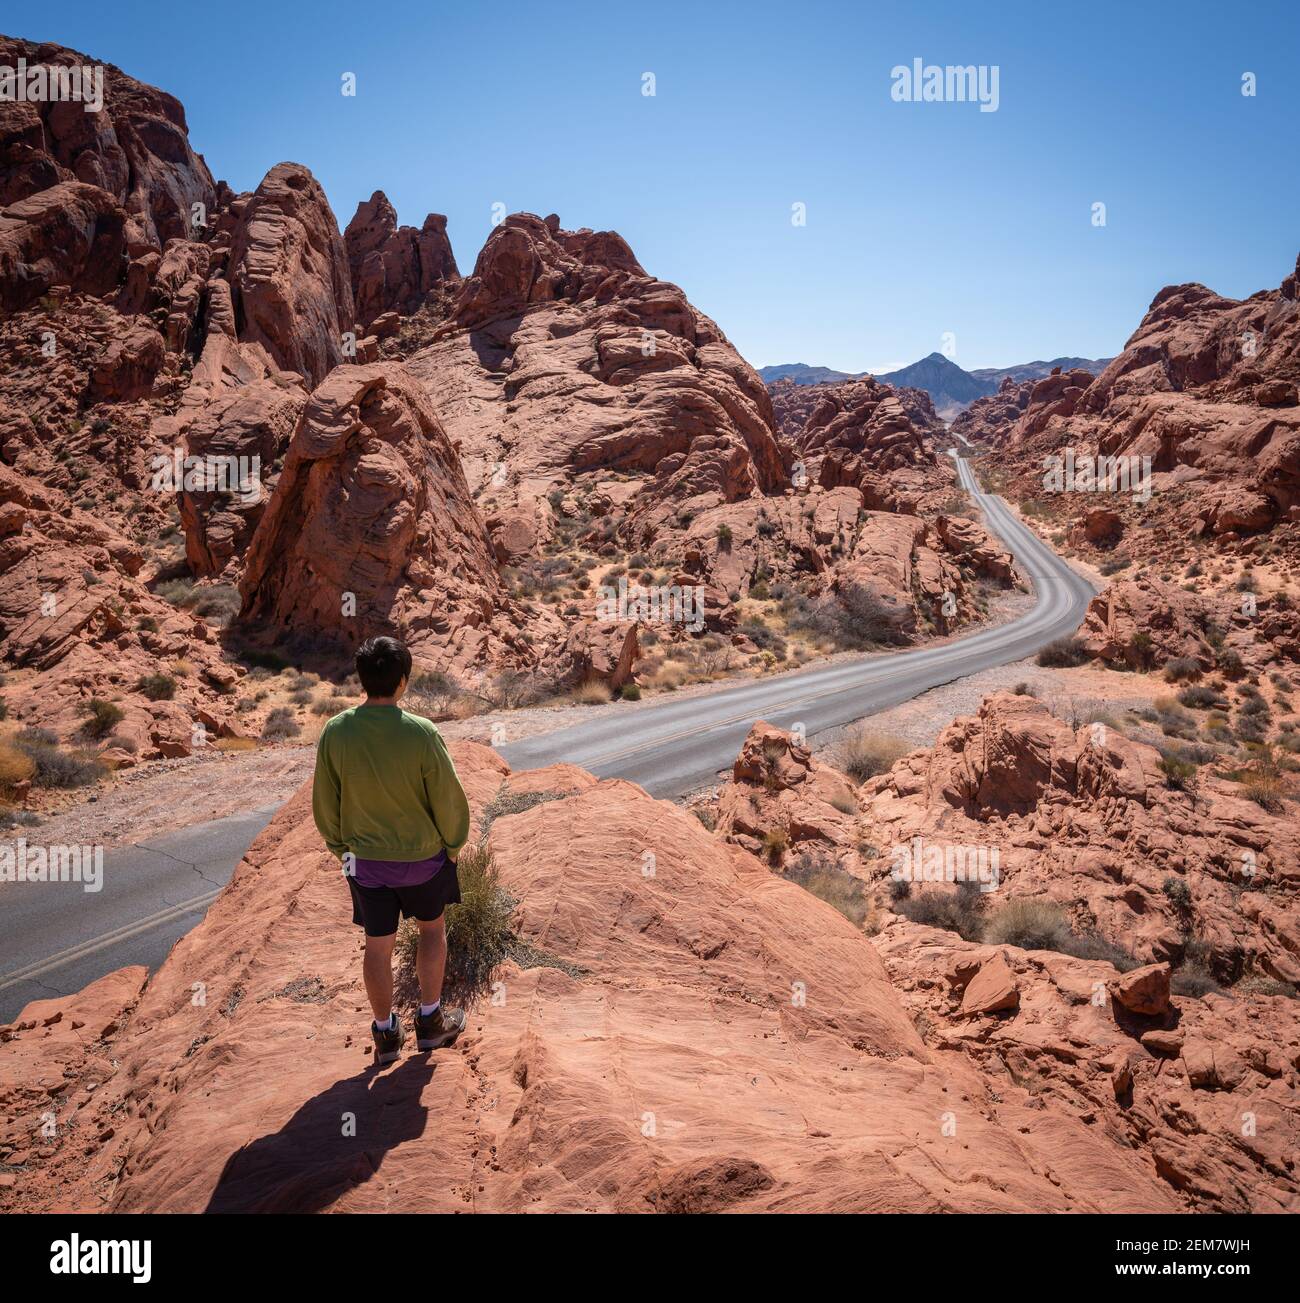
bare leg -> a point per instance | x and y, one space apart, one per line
431 959
377 969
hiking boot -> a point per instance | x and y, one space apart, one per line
440 1028
388 1044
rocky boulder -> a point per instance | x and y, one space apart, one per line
393 269
371 529
289 273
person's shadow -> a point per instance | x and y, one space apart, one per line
335 1141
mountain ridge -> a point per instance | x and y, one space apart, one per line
951 388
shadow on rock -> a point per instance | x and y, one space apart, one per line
337 1140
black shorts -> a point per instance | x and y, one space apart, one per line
377 908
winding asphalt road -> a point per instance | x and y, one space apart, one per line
56 938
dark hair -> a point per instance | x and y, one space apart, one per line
382 663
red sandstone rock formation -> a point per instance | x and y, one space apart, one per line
394 269
371 529
289 273
136 148
747 1035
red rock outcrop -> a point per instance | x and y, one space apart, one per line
289 273
136 148
752 1054
563 360
73 609
1088 819
70 235
371 529
394 269
1206 389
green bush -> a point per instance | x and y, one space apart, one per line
631 692
157 687
1179 774
102 717
480 936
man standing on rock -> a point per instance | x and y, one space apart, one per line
388 803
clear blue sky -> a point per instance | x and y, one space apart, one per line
922 218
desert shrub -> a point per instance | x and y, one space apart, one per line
1114 565
280 725
1260 984
1230 663
157 687
864 753
102 717
1090 945
899 889
1043 925
776 841
1178 892
1191 753
1195 980
219 603
630 692
513 689
1265 790
508 802
325 706
54 767
1251 728
1024 690
1202 697
827 881
1062 654
592 692
16 765
300 696
179 592
763 637
479 932
1179 774
724 535
263 661
1182 668
1143 649
855 618
1253 705
1029 924
959 911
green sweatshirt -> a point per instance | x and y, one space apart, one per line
385 787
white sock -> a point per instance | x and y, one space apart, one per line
387 1024
427 1009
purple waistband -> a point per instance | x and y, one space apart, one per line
397 873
